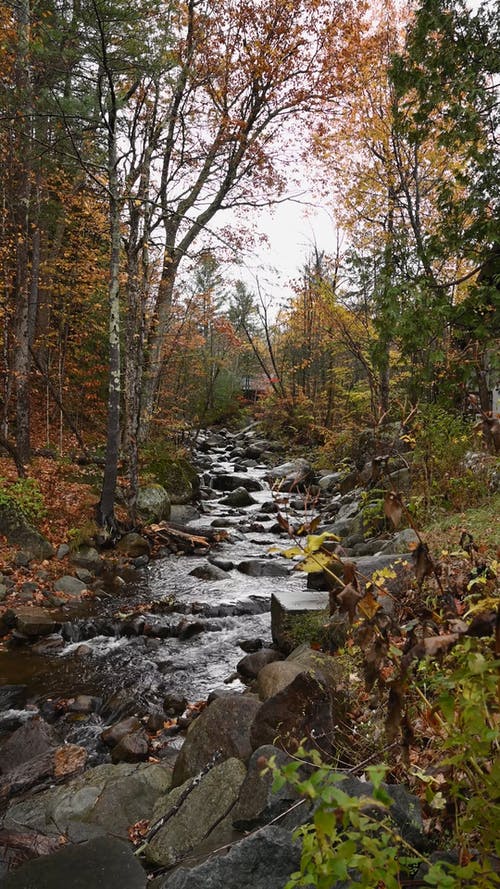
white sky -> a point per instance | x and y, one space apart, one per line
292 229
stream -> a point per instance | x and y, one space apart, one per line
166 631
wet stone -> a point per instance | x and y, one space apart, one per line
263 568
250 666
112 735
131 748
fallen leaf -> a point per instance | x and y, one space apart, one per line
348 600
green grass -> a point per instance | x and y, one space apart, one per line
483 522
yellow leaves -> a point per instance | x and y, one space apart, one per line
315 558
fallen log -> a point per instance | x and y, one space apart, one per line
181 538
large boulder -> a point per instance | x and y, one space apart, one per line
32 754
231 481
274 677
223 729
105 799
153 504
19 532
297 475
258 803
264 860
250 665
302 710
29 620
238 498
293 612
401 542
192 811
100 863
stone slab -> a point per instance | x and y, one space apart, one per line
100 863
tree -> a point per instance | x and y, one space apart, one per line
242 71
447 85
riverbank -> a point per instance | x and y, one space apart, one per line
187 642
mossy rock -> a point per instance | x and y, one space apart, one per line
173 472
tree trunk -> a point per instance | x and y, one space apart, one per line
156 340
105 512
21 362
134 339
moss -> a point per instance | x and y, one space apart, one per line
316 628
170 469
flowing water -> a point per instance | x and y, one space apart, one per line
165 631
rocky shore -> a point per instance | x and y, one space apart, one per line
128 780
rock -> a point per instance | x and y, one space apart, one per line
251 664
49 645
11 696
263 568
231 482
349 482
22 559
69 759
32 740
290 610
274 677
133 747
251 645
298 468
105 799
400 480
85 704
18 531
238 498
153 504
134 545
28 588
304 709
30 621
222 728
88 557
223 564
112 735
192 811
405 809
101 862
28 768
263 860
366 566
330 482
320 665
174 704
84 575
183 514
401 542
62 551
258 804
69 585
207 571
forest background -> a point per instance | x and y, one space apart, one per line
128 130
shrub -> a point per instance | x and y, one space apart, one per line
25 495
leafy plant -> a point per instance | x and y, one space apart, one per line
25 495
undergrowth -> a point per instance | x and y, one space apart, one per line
431 660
